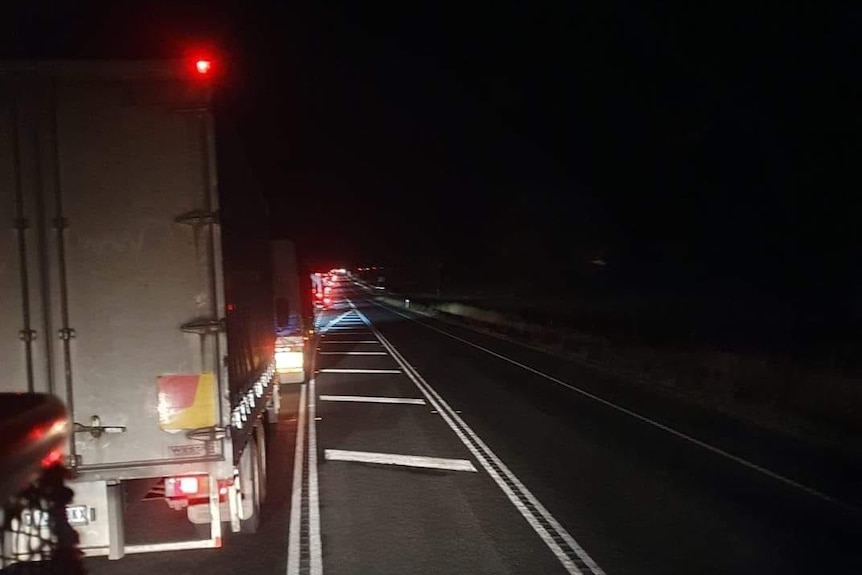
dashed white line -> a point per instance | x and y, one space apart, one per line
353 353
369 399
402 460
351 370
348 341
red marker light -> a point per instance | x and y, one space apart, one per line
54 457
203 66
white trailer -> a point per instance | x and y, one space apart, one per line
137 290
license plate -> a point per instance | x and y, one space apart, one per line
75 515
78 514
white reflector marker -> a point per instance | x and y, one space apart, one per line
367 399
402 460
348 370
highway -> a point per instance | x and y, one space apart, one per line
419 446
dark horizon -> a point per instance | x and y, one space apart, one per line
689 150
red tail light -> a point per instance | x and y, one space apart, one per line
54 457
187 486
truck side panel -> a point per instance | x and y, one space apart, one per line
248 278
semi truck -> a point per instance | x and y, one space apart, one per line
137 277
293 321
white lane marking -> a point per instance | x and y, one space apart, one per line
351 341
333 321
451 417
350 370
296 497
403 460
370 399
315 547
353 353
684 436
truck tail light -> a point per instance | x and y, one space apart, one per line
289 359
187 486
194 487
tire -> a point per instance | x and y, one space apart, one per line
250 486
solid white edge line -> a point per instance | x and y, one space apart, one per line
316 555
716 450
448 414
350 370
369 399
293 550
401 460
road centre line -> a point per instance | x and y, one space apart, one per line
351 370
574 559
370 399
401 460
684 436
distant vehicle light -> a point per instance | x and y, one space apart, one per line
203 67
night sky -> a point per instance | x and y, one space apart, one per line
693 150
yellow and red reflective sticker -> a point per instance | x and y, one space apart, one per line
187 401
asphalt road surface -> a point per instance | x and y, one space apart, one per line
424 447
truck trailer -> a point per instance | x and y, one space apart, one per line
137 278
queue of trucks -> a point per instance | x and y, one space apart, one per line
142 288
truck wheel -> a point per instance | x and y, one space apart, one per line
250 487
